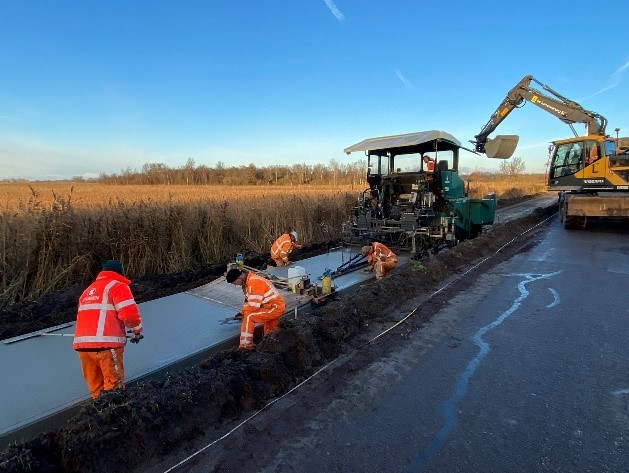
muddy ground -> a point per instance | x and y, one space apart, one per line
136 430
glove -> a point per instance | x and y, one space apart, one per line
238 316
136 338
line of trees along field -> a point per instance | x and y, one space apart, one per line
334 173
158 173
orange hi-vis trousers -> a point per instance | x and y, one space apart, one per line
267 316
103 370
383 267
278 261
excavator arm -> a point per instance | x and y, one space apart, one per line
563 108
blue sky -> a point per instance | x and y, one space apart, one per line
89 87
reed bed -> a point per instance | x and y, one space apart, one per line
24 197
46 246
57 234
506 187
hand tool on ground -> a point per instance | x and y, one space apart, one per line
41 333
238 317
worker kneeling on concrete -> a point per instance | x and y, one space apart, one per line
106 309
381 258
282 247
263 304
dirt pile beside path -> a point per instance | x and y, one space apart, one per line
124 431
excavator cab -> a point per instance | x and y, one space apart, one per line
588 163
568 158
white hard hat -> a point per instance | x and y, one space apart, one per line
294 234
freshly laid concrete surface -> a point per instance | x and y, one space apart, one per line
42 375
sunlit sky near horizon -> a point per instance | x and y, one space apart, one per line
100 87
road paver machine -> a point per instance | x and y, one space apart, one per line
414 203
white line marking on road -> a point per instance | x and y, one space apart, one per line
557 300
449 407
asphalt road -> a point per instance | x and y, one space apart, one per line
526 370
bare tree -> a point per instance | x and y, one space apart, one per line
512 167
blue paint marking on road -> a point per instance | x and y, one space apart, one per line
449 407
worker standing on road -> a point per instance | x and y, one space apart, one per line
379 257
106 310
282 247
263 304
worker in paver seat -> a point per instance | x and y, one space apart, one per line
282 247
263 304
429 164
106 311
380 258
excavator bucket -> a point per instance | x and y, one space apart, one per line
501 147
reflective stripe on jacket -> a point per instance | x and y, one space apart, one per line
281 247
381 253
106 309
260 293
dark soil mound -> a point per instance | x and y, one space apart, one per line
130 430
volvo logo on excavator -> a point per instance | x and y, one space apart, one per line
594 181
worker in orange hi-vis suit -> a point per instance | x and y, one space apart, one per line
430 163
106 310
263 304
282 247
380 258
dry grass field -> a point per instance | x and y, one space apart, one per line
21 197
505 187
56 234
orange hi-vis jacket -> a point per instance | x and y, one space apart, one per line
106 308
281 247
260 294
381 253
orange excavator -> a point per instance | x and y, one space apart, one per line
590 172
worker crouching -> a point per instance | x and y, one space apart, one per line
380 258
282 247
263 304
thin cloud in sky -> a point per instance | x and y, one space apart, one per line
335 11
614 80
407 83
